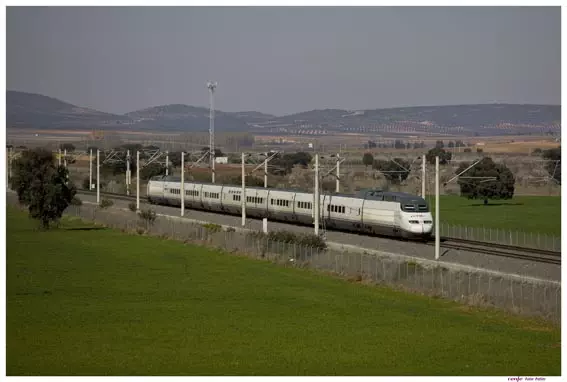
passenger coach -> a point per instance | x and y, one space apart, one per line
369 211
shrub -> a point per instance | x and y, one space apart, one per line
212 227
306 240
76 201
148 215
105 203
132 206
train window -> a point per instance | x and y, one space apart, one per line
236 197
338 209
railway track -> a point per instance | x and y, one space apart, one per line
502 250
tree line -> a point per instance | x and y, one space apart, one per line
486 180
402 145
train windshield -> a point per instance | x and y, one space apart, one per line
414 207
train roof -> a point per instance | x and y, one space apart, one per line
370 194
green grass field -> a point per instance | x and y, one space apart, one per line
522 213
99 302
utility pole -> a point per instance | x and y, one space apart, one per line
91 169
212 86
423 176
182 183
265 220
98 176
266 173
59 158
338 172
166 163
8 165
316 195
128 173
437 238
137 181
243 193
65 158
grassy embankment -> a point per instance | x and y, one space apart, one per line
522 213
99 302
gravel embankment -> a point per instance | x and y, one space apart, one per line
478 260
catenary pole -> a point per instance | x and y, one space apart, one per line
8 165
338 172
137 180
91 169
265 220
243 201
266 173
423 176
182 183
98 176
166 163
437 238
316 194
128 174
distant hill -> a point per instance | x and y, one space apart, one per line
183 117
38 111
466 120
28 110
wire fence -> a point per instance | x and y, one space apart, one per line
516 294
502 236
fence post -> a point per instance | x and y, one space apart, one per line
512 293
450 284
556 302
533 295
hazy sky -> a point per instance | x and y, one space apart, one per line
285 60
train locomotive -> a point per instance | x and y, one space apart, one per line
371 212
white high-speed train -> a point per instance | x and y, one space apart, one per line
369 211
